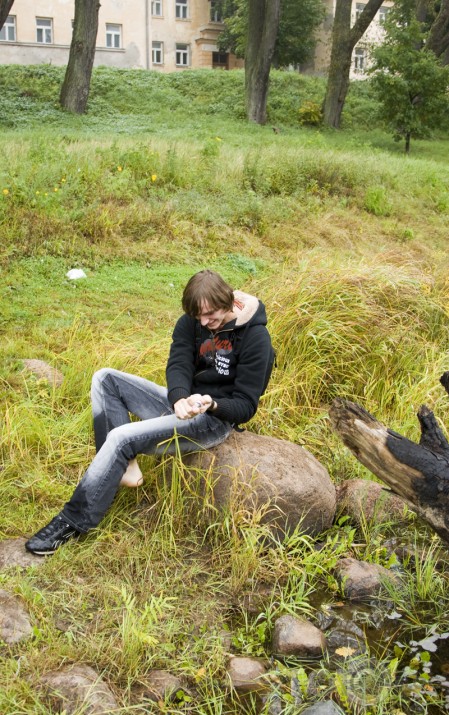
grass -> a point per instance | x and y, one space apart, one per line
343 238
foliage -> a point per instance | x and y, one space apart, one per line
411 83
296 37
310 114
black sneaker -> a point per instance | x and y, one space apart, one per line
48 539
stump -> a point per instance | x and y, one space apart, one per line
418 473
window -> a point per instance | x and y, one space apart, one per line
156 8
157 50
44 30
8 31
220 60
359 8
383 12
215 11
113 36
182 55
182 9
359 60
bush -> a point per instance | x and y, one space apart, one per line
310 114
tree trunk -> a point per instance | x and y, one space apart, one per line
438 40
418 473
5 7
263 24
76 85
344 39
407 143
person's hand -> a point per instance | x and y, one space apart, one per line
188 407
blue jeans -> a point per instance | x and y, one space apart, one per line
115 395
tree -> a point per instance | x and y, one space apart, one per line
5 7
295 40
263 23
344 39
409 79
76 85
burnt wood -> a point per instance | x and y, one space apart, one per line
418 473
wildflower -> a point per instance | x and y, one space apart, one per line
37 193
45 193
56 189
153 177
63 180
5 192
119 168
217 139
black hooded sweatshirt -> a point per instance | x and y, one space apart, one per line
232 364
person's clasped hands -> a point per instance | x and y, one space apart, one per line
188 407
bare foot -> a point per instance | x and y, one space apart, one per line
133 477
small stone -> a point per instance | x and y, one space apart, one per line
294 636
15 625
364 500
78 687
43 371
325 707
246 674
159 685
361 580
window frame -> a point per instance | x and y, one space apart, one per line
10 23
360 53
383 14
182 9
44 29
184 51
214 13
114 34
155 50
157 4
359 8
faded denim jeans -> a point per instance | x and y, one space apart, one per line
115 395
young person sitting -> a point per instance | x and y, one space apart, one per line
219 364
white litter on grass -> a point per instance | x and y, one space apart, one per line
75 273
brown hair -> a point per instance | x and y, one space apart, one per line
206 287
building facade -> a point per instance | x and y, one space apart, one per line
361 55
162 35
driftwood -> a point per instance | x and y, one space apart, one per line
418 473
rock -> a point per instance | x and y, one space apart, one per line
325 707
364 500
15 625
75 274
13 553
246 674
346 640
159 685
43 371
279 478
293 636
78 687
361 580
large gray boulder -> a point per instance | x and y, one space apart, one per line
281 479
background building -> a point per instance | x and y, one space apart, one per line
164 35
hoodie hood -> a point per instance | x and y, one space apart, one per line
248 309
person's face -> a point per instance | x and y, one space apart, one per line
212 319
